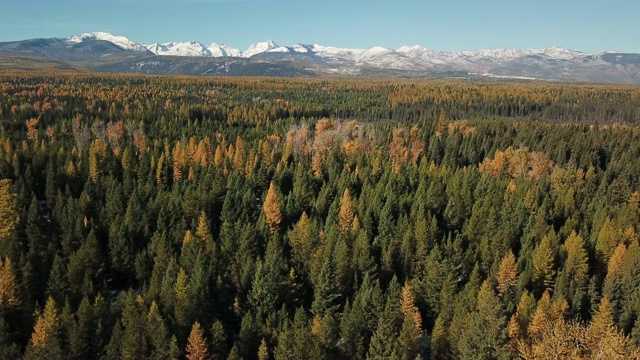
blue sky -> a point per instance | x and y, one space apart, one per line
586 25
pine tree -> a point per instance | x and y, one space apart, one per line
484 334
352 330
182 309
263 294
9 217
85 264
301 240
134 341
573 281
325 331
248 337
326 295
234 354
384 344
8 349
82 333
410 339
218 340
159 340
197 345
439 340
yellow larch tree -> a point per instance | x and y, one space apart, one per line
218 157
408 307
507 273
203 232
197 345
604 340
263 351
346 214
45 342
179 161
8 292
615 261
239 156
608 239
271 210
316 164
543 265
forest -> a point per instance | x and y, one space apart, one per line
160 217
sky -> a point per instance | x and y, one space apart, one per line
448 25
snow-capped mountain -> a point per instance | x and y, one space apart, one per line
191 48
263 47
222 50
120 41
98 49
510 54
402 57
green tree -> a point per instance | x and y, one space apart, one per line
134 341
484 335
573 281
159 339
9 217
82 334
326 297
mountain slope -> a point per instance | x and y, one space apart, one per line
120 41
107 52
191 48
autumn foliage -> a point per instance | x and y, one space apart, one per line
146 217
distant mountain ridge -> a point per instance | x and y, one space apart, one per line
107 52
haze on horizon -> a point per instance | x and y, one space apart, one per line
588 25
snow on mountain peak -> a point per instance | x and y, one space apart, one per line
415 49
119 41
189 48
259 48
561 53
301 48
554 52
405 57
220 50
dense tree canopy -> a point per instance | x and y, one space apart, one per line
177 217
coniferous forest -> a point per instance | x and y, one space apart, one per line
251 218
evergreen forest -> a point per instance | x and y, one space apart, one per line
260 218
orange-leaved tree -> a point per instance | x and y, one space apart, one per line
272 210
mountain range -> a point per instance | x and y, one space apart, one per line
110 53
